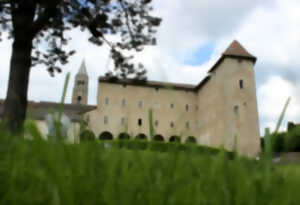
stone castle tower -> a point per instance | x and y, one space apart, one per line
80 89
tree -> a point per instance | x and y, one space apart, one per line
31 23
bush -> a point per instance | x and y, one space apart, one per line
292 142
87 135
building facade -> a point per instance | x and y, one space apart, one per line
220 111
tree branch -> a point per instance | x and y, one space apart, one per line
44 17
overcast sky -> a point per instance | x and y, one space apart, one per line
191 38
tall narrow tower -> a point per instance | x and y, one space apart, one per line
80 90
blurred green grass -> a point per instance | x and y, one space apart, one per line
120 172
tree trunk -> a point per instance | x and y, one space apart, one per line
16 100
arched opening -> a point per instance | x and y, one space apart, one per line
174 139
106 136
158 138
141 136
123 136
191 140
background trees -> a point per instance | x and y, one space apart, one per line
31 23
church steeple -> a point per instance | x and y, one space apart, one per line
80 89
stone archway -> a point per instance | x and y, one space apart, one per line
158 138
174 138
141 136
124 136
191 140
106 136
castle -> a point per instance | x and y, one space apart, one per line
220 111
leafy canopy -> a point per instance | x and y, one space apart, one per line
45 23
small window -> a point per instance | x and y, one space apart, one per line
197 107
80 82
140 104
241 84
171 105
105 120
172 124
140 122
123 102
187 125
106 101
156 123
187 108
79 98
236 109
123 121
157 89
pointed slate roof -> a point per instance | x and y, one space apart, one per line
82 69
236 49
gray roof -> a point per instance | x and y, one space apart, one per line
38 110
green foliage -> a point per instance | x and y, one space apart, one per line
87 135
292 142
119 172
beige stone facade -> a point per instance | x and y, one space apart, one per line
219 111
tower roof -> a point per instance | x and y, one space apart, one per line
237 50
82 69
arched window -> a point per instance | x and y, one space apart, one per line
124 136
174 139
158 138
141 136
105 136
191 140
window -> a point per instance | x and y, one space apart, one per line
123 121
105 120
236 109
106 101
124 85
123 102
140 104
172 105
80 82
157 89
187 125
197 107
241 84
79 98
156 123
187 107
140 122
172 124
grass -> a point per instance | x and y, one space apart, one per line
43 172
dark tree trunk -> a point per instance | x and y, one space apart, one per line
15 104
16 99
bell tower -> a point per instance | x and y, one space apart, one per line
80 89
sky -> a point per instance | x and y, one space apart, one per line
191 38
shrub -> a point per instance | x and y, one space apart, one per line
87 135
292 142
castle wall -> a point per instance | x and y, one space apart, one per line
226 111
159 100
